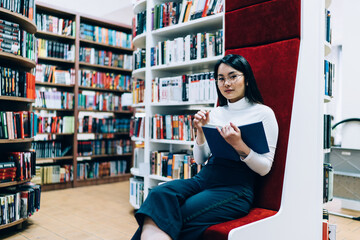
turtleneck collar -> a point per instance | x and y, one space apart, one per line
238 105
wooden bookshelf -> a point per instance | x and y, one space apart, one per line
12 59
103 180
56 186
12 141
13 183
54 36
53 109
56 60
84 158
12 103
102 67
24 22
16 99
48 9
55 85
103 90
89 43
13 223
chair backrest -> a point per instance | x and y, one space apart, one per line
267 34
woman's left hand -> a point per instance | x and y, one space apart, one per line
232 135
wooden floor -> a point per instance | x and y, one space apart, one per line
104 212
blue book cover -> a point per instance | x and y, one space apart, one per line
252 134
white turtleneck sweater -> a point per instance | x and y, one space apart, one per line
240 113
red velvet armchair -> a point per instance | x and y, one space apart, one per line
267 34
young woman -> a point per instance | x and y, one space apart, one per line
224 189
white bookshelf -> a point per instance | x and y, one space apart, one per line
148 40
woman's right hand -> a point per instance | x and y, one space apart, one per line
201 118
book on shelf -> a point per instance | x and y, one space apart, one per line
329 75
48 98
17 125
328 183
55 124
111 81
191 47
99 101
196 87
179 165
252 134
52 74
138 90
137 127
105 35
104 147
327 131
136 191
55 173
139 23
26 8
54 49
17 83
173 127
89 124
92 170
105 58
139 58
56 25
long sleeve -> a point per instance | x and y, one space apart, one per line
201 152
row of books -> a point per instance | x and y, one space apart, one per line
17 166
139 58
55 174
328 29
99 101
26 8
139 23
173 165
52 74
173 127
137 127
136 191
327 131
199 87
89 124
17 125
17 83
91 170
54 49
19 202
105 58
56 25
328 183
104 80
138 90
16 41
172 13
51 149
54 99
56 124
329 75
102 147
105 35
190 47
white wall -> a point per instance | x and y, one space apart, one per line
114 10
348 32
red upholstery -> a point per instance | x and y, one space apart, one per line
267 34
217 232
263 23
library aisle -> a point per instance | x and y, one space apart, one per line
86 213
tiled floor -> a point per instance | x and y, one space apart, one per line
103 212
86 213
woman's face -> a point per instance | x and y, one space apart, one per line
231 83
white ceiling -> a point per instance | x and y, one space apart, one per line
116 10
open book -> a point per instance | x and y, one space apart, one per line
252 134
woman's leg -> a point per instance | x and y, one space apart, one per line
150 231
212 206
163 205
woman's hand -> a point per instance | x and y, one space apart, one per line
232 135
201 118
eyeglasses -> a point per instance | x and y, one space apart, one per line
231 79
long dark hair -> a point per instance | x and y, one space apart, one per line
239 63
